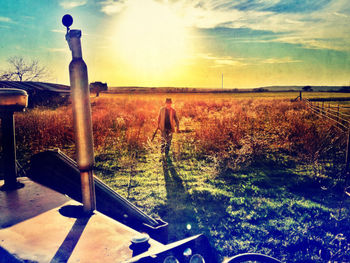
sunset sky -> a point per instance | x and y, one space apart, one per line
186 43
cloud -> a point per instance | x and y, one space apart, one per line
222 61
338 44
240 62
5 19
298 6
72 4
57 49
29 17
341 14
58 31
280 60
320 24
111 7
312 23
227 62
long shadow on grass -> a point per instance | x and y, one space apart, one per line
178 212
189 213
174 185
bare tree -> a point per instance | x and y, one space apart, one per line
22 70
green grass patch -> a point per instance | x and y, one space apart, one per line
282 211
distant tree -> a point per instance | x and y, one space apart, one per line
260 90
97 87
344 89
23 70
307 88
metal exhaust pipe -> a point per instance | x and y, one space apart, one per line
81 116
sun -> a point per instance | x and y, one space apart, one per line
150 38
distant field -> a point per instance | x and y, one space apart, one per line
213 96
255 172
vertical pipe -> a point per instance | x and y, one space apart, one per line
82 120
88 191
9 150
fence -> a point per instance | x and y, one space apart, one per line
340 115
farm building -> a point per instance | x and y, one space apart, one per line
41 93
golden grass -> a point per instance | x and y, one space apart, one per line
228 125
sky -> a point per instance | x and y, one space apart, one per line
185 43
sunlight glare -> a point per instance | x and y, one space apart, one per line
150 38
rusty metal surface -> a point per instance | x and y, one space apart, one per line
13 99
57 171
28 202
34 229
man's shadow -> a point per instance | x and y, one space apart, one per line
173 182
179 212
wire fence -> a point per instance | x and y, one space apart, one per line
340 115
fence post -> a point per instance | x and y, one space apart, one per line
347 158
338 117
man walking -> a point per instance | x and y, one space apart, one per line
167 123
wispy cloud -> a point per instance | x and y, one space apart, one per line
72 4
28 17
225 61
111 7
5 19
306 23
57 49
58 31
313 24
280 60
341 14
222 61
292 6
338 44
